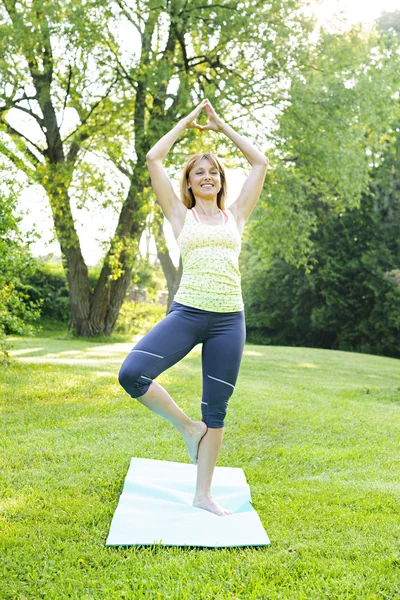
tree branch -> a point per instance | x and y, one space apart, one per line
210 6
125 12
16 160
66 95
9 103
85 119
124 171
13 132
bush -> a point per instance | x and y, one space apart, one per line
347 302
47 282
139 318
16 309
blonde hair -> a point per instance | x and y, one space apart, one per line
187 196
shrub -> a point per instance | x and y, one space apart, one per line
139 318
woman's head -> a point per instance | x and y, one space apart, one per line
198 170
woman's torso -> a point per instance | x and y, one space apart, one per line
210 251
177 220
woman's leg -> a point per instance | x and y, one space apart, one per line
221 357
159 401
163 346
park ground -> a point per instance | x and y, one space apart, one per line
316 432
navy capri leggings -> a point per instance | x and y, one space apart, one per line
223 336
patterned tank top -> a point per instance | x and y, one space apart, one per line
211 278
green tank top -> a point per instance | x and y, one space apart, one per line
211 278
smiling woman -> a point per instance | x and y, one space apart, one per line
208 306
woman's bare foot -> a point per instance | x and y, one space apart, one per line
193 437
206 502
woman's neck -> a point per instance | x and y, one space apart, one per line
209 209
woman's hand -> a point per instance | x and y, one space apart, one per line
215 123
190 120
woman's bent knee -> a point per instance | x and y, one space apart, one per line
133 382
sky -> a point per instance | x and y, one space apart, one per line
96 227
364 11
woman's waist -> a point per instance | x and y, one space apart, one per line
221 284
218 277
207 264
194 295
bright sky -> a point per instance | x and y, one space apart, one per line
95 227
354 11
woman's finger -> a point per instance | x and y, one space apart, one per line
201 105
210 109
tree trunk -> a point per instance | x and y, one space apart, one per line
115 275
172 274
73 261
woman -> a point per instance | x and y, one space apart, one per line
208 306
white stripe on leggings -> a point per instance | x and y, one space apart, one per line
221 380
144 352
148 379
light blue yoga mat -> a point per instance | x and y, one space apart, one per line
155 507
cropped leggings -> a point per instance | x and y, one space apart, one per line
223 336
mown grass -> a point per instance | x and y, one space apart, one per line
316 432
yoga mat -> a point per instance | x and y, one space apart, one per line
155 507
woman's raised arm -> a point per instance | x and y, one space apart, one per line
160 180
243 206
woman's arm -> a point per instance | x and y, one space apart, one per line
160 180
254 156
243 206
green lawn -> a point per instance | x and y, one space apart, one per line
316 432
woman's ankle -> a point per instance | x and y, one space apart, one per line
199 495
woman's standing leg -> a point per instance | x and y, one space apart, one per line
221 357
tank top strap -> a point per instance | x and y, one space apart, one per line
194 213
225 215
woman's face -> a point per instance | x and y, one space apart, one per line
205 180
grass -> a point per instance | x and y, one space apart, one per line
316 432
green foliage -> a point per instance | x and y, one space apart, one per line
332 131
149 275
139 318
347 302
47 283
323 239
17 311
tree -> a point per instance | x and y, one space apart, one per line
339 152
342 102
348 301
47 51
58 56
